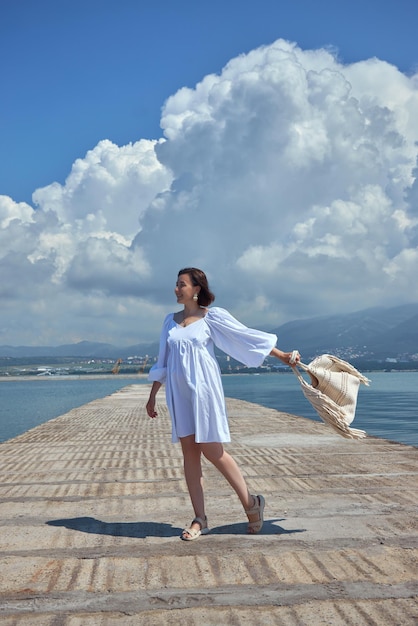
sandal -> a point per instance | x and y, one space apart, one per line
192 532
255 526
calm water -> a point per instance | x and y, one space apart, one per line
388 408
25 404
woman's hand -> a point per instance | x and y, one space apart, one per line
289 358
151 402
151 408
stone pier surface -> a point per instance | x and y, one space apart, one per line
93 503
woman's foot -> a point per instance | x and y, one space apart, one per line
255 515
198 527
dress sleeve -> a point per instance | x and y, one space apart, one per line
158 371
247 345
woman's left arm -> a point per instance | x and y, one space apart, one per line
285 357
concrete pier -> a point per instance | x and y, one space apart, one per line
93 503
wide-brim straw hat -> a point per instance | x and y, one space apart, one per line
333 392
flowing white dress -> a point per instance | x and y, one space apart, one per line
188 367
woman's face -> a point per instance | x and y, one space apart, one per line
185 289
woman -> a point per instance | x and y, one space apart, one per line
194 393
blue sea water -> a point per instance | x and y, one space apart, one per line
25 404
388 408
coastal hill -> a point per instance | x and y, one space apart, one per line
376 333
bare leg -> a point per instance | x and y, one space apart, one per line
193 475
224 462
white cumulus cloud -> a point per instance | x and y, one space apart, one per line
290 178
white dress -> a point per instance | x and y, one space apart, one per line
188 367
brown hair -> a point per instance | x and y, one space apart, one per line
198 278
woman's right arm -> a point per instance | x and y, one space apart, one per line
158 371
152 396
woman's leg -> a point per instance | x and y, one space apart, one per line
193 475
253 505
224 462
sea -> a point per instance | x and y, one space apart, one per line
388 408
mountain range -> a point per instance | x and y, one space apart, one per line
376 332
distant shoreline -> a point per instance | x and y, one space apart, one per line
74 377
140 376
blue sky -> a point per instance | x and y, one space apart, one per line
75 72
274 144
